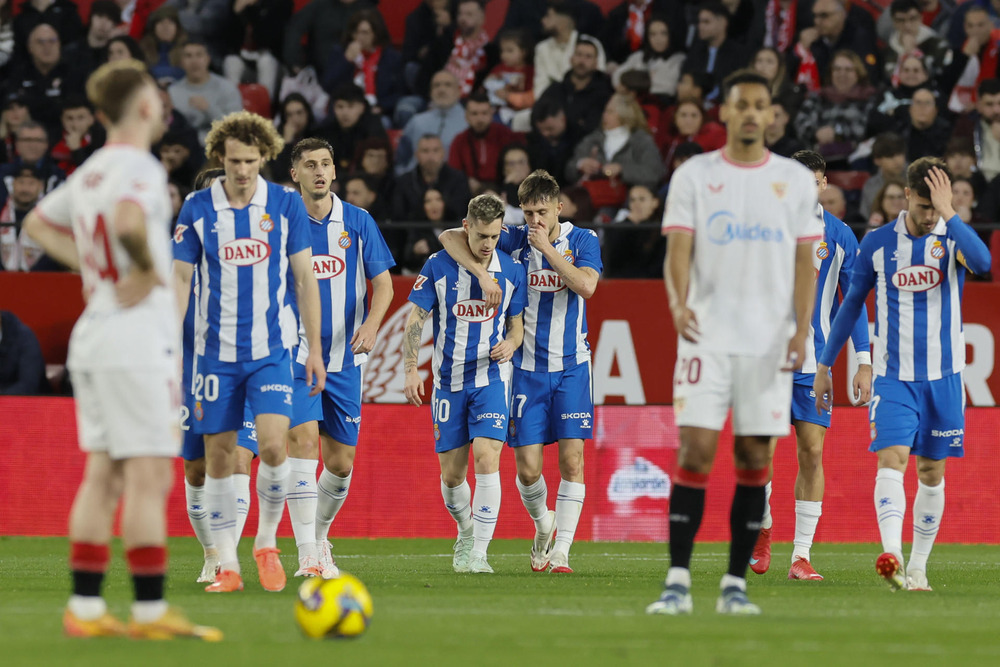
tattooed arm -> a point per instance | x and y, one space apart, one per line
413 387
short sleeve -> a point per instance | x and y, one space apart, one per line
187 244
519 299
56 210
375 252
512 238
588 251
679 213
299 237
423 293
145 187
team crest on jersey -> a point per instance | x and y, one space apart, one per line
199 413
92 180
874 431
568 256
512 431
937 250
437 432
344 241
179 233
266 224
823 251
779 189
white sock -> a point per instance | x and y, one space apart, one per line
679 576
928 507
729 581
272 485
301 501
766 522
486 507
87 607
241 483
890 505
535 499
807 514
194 496
220 501
458 501
332 494
147 611
569 504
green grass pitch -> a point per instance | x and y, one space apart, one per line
427 615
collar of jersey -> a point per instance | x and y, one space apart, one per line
220 202
940 229
336 213
494 266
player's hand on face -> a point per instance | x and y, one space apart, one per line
364 339
862 385
315 372
538 235
686 324
491 291
823 388
502 351
413 387
940 186
135 287
796 353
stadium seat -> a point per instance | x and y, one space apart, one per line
848 181
256 99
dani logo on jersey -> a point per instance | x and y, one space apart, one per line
545 280
244 252
724 228
917 278
326 267
473 311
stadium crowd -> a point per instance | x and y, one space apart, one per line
609 97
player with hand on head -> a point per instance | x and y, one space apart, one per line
741 224
917 266
111 221
552 388
348 251
833 261
473 345
243 234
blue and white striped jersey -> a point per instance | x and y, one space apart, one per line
241 256
555 321
918 298
464 329
339 241
834 260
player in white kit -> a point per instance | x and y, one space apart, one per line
123 354
741 223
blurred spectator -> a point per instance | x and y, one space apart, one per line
61 15
163 45
924 131
746 22
445 118
421 243
956 33
692 87
362 191
254 43
467 52
910 75
981 128
202 96
554 55
91 52
475 151
177 160
320 26
626 28
32 144
636 253
551 141
714 52
935 14
431 172
910 36
622 150
42 78
833 200
351 122
965 204
684 152
204 21
18 251
295 122
509 83
960 156
178 125
837 28
6 33
428 21
81 136
776 136
656 56
577 206
770 64
368 60
15 112
689 123
833 119
889 201
585 90
373 157
22 368
889 156
977 56
513 165
124 47
177 195
530 15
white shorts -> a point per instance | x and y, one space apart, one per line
128 413
707 384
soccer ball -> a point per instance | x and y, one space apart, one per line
340 607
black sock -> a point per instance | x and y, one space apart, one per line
687 504
744 524
87 584
148 588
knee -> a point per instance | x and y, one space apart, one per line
194 472
930 473
487 459
339 460
571 465
528 477
810 457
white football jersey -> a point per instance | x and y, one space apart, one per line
108 335
746 222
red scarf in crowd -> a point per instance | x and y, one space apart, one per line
779 33
467 58
808 73
638 16
365 68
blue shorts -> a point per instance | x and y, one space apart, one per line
337 408
550 406
193 447
928 416
804 406
222 390
461 416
